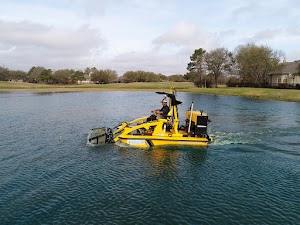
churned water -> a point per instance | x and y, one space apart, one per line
249 175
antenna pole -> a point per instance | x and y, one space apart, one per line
192 106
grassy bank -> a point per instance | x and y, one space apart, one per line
260 93
7 86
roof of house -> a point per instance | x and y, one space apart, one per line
289 68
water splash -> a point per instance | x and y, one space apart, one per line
224 138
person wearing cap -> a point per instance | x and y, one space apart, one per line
160 113
163 112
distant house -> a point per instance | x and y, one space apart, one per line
87 80
288 77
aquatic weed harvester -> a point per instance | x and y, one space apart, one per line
158 131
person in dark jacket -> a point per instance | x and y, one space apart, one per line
160 113
163 112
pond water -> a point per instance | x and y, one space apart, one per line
250 174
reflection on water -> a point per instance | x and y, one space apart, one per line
164 163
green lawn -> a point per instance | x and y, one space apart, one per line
260 93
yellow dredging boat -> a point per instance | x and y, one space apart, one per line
152 131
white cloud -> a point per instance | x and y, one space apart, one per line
181 34
95 7
185 36
293 55
34 43
152 61
123 35
32 34
244 10
267 34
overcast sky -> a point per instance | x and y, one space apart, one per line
155 35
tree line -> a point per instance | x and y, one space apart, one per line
69 76
248 64
64 76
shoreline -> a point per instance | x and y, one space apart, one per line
289 95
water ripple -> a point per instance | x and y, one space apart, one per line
249 175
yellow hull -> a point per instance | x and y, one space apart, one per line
152 141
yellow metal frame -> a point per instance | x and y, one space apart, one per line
140 133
